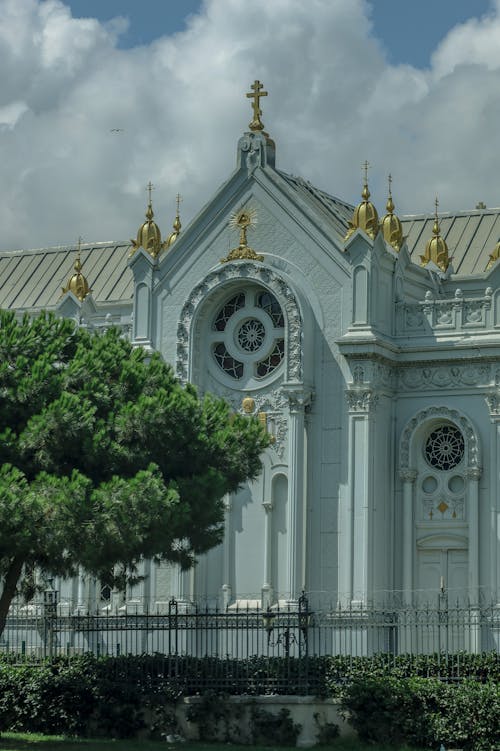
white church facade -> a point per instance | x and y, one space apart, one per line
369 348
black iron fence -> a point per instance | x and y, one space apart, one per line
47 628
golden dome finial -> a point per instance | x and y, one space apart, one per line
256 94
391 226
77 284
365 215
436 249
148 234
176 225
494 256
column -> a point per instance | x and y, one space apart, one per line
226 586
267 588
358 548
408 477
473 475
298 398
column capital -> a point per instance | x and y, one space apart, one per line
408 475
473 473
361 400
493 402
299 396
267 506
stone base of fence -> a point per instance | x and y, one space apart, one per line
309 711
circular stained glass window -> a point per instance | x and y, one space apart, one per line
247 336
445 447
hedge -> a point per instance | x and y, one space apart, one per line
111 696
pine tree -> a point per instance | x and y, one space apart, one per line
105 458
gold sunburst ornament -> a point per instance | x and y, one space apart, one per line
243 220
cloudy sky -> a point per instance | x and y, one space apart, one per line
98 98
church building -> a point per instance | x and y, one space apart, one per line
369 347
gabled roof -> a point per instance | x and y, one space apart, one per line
33 279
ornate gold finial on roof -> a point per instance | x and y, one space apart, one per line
365 215
436 249
177 225
77 284
148 234
244 219
256 94
391 226
494 256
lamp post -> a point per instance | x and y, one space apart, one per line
287 636
50 599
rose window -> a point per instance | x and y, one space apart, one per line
247 337
445 447
251 335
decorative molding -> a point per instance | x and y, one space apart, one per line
472 454
239 271
267 506
444 376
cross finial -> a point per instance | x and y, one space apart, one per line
256 94
436 204
389 180
178 200
365 168
149 188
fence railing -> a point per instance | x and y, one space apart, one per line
46 628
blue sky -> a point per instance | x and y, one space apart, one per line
92 107
408 29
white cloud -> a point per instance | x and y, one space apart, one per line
179 103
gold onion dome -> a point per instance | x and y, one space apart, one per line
436 249
77 284
148 234
365 215
391 226
494 256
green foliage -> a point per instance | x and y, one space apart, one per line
104 457
424 712
273 729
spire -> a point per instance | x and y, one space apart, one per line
365 215
148 234
77 283
176 225
436 249
390 225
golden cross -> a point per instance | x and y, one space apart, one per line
390 183
257 87
436 203
149 188
178 200
365 167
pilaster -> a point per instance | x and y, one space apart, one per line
299 398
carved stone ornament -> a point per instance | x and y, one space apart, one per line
472 448
444 376
408 475
493 402
361 400
238 271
